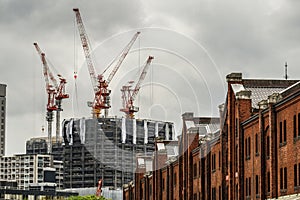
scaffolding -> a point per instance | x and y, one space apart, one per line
106 148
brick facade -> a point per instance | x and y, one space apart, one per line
255 154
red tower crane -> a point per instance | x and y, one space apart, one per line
129 95
100 85
54 91
99 188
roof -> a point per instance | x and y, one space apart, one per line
258 94
262 88
206 125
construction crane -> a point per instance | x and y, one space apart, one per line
129 95
100 85
55 92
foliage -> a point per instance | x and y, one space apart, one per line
89 197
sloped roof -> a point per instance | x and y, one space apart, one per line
258 94
262 88
205 125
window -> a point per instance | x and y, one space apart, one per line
248 148
219 159
236 158
175 179
295 126
195 196
213 162
248 186
281 178
268 147
256 145
236 127
213 193
299 174
142 193
298 124
163 184
295 175
195 170
284 131
285 178
280 132
220 193
256 184
269 181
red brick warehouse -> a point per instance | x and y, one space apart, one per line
251 152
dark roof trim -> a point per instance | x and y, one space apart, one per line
249 120
268 83
289 98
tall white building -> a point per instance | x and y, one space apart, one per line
2 118
26 169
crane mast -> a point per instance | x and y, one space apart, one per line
55 92
100 85
129 95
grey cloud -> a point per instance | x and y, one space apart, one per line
253 37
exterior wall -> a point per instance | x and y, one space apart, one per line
216 173
2 118
24 169
164 184
256 155
59 173
289 148
196 174
252 165
39 145
175 182
106 148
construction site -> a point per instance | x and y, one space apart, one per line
97 150
106 148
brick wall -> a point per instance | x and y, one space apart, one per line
256 155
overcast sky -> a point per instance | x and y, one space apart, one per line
196 43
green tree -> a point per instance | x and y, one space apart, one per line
89 197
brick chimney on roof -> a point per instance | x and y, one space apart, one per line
234 77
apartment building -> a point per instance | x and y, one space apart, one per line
27 169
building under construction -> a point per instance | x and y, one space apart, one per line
106 148
39 145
